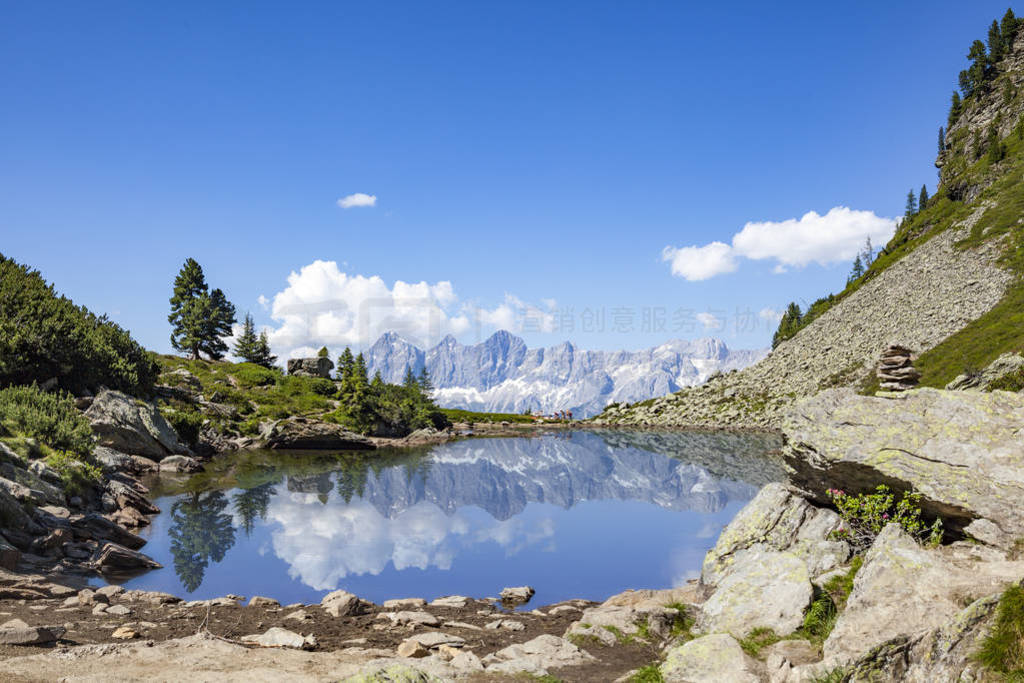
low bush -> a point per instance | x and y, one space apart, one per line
77 475
251 375
50 418
865 515
187 423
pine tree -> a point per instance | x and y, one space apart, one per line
942 140
922 199
410 381
1008 28
789 324
323 353
262 355
857 271
995 43
954 109
218 325
189 308
345 363
911 207
996 149
246 344
377 383
426 386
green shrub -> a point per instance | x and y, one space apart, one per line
187 423
252 375
840 587
865 515
1002 649
757 640
44 336
77 475
51 418
820 618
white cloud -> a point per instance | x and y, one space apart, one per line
835 237
770 315
358 199
263 301
709 321
324 306
700 263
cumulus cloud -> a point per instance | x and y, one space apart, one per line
770 315
263 301
834 237
358 199
709 321
700 263
324 306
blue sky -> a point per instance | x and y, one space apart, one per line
533 154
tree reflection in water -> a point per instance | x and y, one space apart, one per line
200 531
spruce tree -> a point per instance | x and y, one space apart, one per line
857 271
262 355
246 344
410 381
1008 29
954 109
995 43
345 363
218 325
911 207
426 386
942 140
323 353
922 199
189 309
789 324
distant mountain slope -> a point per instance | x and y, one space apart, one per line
949 284
502 375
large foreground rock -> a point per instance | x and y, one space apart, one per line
765 589
711 658
961 450
132 426
904 589
303 434
777 519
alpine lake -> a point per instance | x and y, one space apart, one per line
575 514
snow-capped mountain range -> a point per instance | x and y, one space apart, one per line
501 374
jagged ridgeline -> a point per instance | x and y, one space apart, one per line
949 284
46 338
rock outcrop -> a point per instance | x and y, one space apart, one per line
300 433
716 657
310 367
132 426
960 450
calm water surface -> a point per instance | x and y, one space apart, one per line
578 514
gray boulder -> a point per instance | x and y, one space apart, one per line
710 658
903 589
300 433
310 367
17 632
132 426
344 604
1006 364
960 449
764 589
777 520
281 637
114 558
180 464
536 656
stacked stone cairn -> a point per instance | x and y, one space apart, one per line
896 370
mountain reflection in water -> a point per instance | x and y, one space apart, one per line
577 514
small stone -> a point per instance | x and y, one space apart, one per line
110 592
433 639
87 597
118 610
506 625
282 637
457 601
260 601
404 602
299 615
344 604
99 608
447 652
124 633
70 602
412 648
461 624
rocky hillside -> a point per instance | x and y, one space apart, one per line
501 374
948 285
